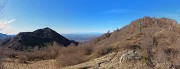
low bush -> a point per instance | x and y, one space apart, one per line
2 56
50 52
65 56
102 50
23 58
70 59
71 56
87 50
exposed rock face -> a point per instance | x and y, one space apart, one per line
39 38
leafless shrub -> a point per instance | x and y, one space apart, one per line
87 50
70 56
171 51
23 58
132 47
102 50
50 52
33 56
70 59
10 53
2 53
2 56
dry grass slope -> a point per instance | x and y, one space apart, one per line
156 42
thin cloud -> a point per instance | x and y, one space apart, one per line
5 23
10 21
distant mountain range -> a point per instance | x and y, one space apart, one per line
79 37
4 36
82 37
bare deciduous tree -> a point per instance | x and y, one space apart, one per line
2 54
2 6
3 23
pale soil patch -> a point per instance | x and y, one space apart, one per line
99 63
109 61
45 64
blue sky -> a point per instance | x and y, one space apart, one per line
83 16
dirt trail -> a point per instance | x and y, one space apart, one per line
46 64
100 63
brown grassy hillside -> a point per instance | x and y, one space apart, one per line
156 41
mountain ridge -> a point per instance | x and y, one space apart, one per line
156 41
3 36
39 38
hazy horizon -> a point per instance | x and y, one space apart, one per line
82 16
